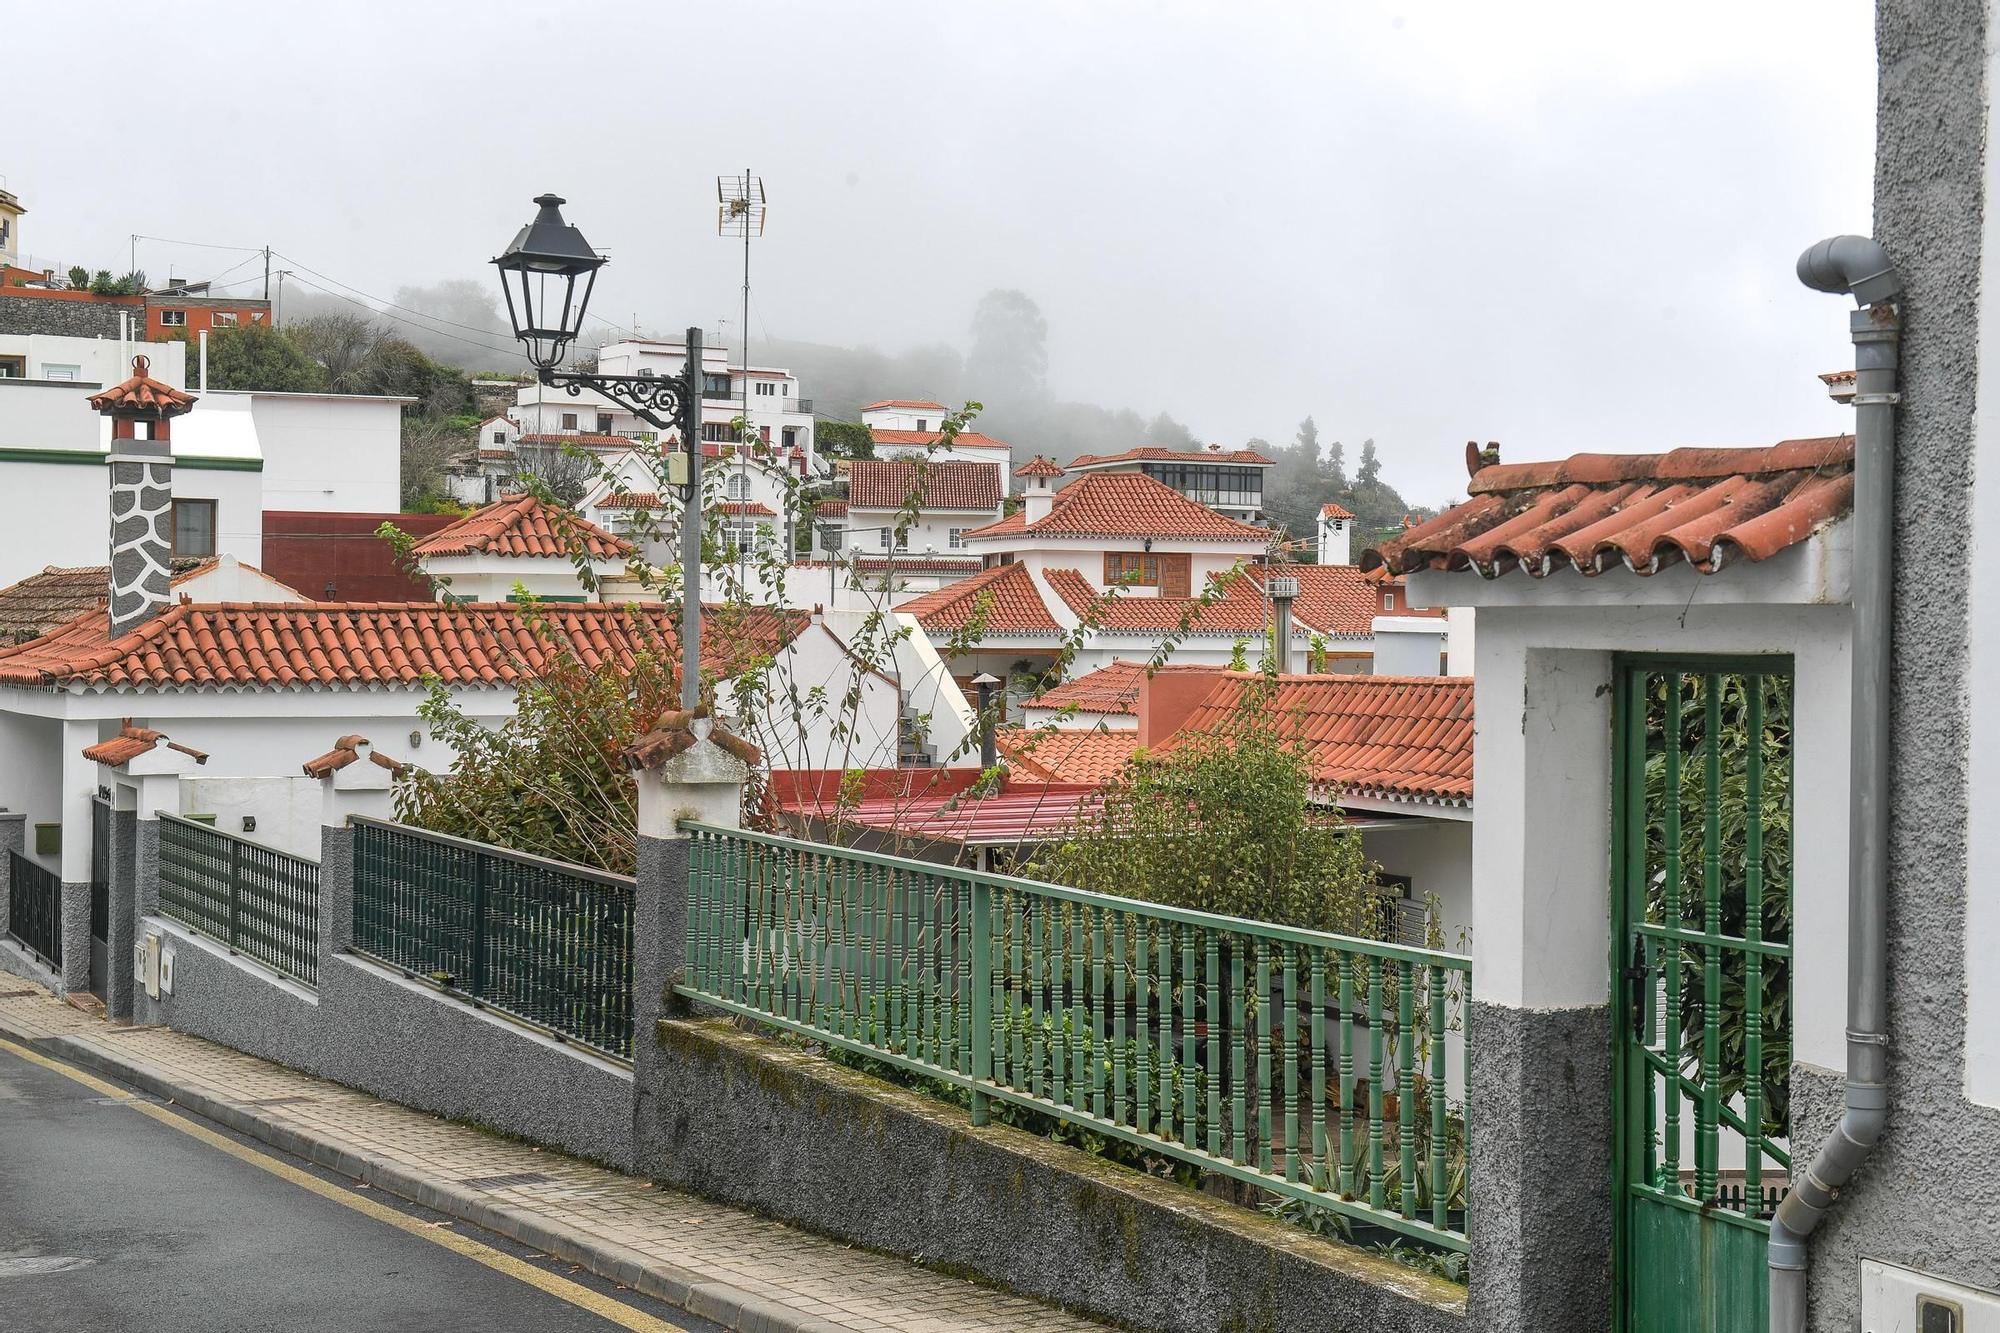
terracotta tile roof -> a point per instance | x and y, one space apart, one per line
920 403
1081 755
949 483
831 509
1152 453
676 731
1380 736
1333 599
345 751
965 439
142 394
523 526
1241 609
745 509
1038 466
41 603
495 455
359 644
131 742
1594 512
1125 504
582 440
1015 605
1838 377
934 805
1332 510
635 500
1109 689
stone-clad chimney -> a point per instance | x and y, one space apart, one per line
142 494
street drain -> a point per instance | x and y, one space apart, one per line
507 1182
36 1265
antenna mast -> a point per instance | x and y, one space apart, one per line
740 212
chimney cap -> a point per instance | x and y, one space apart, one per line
142 397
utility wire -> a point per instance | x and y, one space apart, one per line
421 328
382 301
200 245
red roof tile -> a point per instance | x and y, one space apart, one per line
142 394
345 751
1152 453
1038 466
904 564
1125 504
1082 755
1332 510
348 644
944 811
1110 689
831 509
1241 609
524 526
1013 604
745 509
1594 512
965 439
44 602
131 742
1384 736
1333 599
923 403
949 483
582 440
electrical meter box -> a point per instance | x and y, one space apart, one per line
1895 1299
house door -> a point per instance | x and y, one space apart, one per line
100 894
1702 942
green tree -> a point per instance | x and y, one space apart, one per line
1336 465
1308 437
257 356
844 439
1224 823
1009 360
1370 471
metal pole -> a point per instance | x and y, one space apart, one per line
267 273
691 526
743 335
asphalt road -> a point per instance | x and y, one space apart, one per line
111 1219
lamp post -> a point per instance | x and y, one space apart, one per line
540 274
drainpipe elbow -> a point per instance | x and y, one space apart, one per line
1851 264
1787 1252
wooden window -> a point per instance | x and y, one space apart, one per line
569 421
194 527
1131 569
1175 577
603 423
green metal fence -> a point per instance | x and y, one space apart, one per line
541 940
261 902
1311 1065
34 908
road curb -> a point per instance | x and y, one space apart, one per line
731 1306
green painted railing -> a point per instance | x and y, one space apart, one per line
541 940
260 902
34 908
1311 1065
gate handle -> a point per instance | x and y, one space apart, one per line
1637 974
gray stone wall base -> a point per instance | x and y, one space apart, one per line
751 1122
76 936
1541 1136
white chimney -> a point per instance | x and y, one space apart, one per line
1335 533
1409 645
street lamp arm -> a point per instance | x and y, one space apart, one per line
658 400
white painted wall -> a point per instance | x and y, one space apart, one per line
99 361
331 453
286 809
67 521
1335 534
929 534
1542 767
48 416
802 718
1409 645
30 759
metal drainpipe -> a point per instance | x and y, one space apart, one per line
1857 266
1282 591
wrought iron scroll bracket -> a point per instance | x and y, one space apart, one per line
655 399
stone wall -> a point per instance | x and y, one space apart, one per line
68 319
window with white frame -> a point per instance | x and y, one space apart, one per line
1388 601
53 371
955 538
499 437
766 389
223 318
923 423
739 486
174 319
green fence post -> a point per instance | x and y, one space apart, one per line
478 926
235 886
982 998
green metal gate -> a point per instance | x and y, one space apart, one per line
1702 958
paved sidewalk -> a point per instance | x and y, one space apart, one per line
721 1263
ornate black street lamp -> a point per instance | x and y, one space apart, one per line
547 274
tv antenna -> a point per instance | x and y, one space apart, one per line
740 210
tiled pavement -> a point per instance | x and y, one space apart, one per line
727 1265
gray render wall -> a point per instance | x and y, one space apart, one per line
369 1028
786 1133
1929 179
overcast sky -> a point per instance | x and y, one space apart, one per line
1559 226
